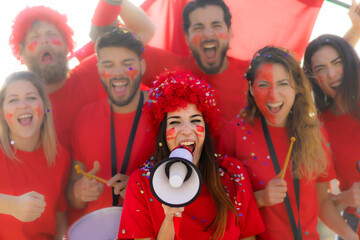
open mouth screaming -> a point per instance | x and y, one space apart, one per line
275 107
47 57
25 119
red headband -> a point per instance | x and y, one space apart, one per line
174 89
24 20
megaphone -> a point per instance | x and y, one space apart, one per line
176 181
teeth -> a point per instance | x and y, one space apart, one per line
336 84
25 116
187 143
274 105
119 84
210 46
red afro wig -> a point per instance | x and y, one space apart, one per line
173 90
24 20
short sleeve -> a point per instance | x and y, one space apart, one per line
227 143
135 218
249 217
330 173
64 171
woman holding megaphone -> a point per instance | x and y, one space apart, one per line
184 112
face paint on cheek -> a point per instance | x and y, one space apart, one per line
200 131
105 76
170 134
39 110
32 46
56 42
321 78
8 117
132 73
195 40
341 70
223 36
263 94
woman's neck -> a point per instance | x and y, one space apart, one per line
26 144
337 107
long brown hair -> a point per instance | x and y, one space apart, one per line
308 152
47 134
349 89
209 169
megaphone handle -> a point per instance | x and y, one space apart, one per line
176 222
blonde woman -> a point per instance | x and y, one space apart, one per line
33 169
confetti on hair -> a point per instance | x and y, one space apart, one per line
175 89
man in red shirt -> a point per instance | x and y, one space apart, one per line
118 140
41 39
207 28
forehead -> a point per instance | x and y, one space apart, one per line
324 55
207 14
271 71
42 27
189 110
20 87
116 53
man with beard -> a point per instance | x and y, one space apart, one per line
117 139
207 28
41 39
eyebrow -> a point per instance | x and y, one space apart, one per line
29 93
192 116
197 24
125 60
332 61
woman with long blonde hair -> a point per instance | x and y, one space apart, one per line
33 169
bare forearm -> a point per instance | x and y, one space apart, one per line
331 217
134 18
329 214
6 204
61 225
339 201
352 36
167 231
72 198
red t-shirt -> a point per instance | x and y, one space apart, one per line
90 141
143 215
230 86
344 139
34 174
247 143
82 87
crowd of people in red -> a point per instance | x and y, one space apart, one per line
128 105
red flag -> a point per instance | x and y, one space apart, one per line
285 23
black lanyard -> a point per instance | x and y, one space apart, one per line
129 144
295 230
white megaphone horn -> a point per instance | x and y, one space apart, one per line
176 181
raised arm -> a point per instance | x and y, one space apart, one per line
353 34
135 19
329 214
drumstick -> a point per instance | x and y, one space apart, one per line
89 176
283 171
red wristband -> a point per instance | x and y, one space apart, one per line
105 14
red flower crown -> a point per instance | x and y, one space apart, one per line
174 89
25 19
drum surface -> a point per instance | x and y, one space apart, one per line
102 224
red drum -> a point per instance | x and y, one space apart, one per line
102 224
